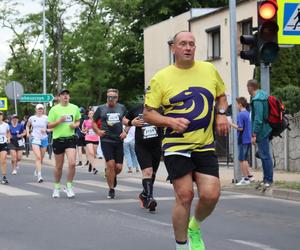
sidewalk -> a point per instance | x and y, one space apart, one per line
226 176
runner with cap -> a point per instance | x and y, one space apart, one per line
63 118
17 142
4 139
38 138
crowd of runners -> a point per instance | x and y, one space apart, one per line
192 96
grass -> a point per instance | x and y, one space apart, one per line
288 185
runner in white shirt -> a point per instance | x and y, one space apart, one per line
38 138
4 139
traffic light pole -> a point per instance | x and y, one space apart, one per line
234 86
265 77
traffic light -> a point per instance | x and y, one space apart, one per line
267 31
252 53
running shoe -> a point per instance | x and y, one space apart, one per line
14 172
95 171
111 194
195 237
143 198
56 193
40 179
79 164
4 180
151 204
87 163
69 191
90 167
115 182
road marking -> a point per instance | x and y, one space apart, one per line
140 218
122 201
237 196
254 244
50 186
12 191
101 184
156 184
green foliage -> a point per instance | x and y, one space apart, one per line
290 96
286 69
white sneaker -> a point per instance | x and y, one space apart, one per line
69 192
243 182
14 172
56 193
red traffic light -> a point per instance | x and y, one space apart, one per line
267 9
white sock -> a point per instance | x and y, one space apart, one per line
181 246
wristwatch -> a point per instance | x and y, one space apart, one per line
221 111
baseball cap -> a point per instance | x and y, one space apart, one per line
62 91
14 116
39 106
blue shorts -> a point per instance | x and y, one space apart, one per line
43 143
243 151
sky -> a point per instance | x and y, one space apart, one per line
25 7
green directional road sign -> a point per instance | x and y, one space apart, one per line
36 98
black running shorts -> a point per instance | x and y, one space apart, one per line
148 155
202 162
113 151
3 147
59 145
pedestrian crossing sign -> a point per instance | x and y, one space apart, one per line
288 20
3 103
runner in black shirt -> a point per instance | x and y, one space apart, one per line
148 151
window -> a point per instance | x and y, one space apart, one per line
171 55
214 43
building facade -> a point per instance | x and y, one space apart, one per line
211 28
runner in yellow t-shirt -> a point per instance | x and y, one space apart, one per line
187 91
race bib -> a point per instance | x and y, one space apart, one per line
91 131
36 141
21 142
113 118
69 118
149 132
2 139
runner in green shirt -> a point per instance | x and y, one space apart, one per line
63 118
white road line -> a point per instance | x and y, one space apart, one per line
156 184
13 191
101 184
122 201
50 186
254 244
140 218
237 196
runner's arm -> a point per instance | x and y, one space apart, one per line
152 116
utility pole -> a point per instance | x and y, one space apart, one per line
59 72
44 49
234 84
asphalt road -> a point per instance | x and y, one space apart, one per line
30 219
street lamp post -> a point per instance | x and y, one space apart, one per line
44 49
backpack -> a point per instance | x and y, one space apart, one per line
277 119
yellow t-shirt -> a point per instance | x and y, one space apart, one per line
187 93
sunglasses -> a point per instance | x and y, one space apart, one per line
110 97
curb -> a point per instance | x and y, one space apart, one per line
278 193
